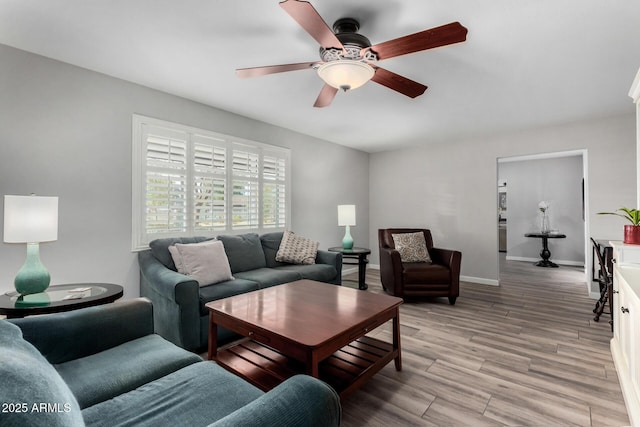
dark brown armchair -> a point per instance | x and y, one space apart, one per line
441 278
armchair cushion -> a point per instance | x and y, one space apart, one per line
120 369
412 247
27 379
424 273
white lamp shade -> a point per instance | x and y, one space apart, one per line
345 74
30 219
346 214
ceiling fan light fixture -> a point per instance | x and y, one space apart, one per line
346 74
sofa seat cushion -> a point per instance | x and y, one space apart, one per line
319 272
194 396
28 379
267 277
101 376
423 273
224 290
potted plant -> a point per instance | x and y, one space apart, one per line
631 232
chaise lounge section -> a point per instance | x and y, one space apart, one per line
179 301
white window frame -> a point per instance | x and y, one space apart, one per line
140 237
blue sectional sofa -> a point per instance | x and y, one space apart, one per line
179 301
104 366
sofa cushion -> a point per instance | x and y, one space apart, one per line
297 249
270 246
101 376
267 277
160 248
319 272
194 396
244 252
412 247
28 380
224 290
205 262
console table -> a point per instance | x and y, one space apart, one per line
545 254
58 298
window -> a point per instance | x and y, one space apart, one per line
189 181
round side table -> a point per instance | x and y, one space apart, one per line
58 298
360 254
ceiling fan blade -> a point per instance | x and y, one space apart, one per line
427 39
326 96
398 83
309 19
273 69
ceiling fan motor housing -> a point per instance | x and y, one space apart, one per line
345 30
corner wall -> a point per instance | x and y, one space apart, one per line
450 188
66 131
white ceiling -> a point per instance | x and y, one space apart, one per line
525 63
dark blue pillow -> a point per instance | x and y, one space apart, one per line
244 252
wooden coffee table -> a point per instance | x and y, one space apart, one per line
306 327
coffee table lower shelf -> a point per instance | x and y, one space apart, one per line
345 370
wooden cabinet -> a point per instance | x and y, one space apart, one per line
625 345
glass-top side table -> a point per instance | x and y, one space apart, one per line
59 298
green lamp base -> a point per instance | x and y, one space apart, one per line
33 277
347 240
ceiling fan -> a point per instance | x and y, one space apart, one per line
348 60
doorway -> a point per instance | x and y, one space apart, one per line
556 182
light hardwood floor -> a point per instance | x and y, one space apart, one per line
525 353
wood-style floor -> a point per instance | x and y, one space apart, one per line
525 353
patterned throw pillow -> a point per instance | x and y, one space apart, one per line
412 247
295 249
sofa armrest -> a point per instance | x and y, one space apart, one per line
74 334
300 401
175 299
331 258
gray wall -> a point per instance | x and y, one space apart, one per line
451 187
66 131
554 180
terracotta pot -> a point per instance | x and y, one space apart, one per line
632 234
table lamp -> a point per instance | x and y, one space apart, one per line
347 217
31 220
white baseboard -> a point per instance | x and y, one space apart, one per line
479 280
557 261
469 279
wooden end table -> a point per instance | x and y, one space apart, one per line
306 327
360 254
545 254
58 298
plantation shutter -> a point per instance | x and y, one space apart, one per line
193 182
245 199
166 181
274 192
